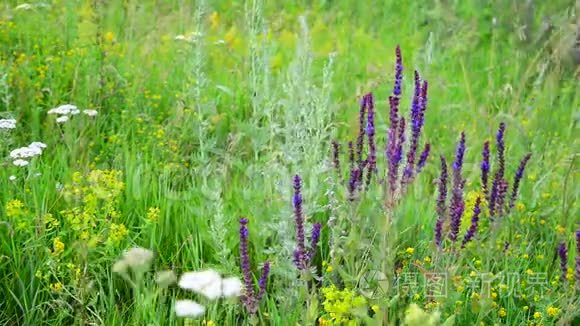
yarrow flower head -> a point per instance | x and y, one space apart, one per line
65 109
62 119
7 123
210 284
137 259
90 113
207 283
188 308
20 162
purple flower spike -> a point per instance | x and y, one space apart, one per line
301 256
500 142
485 168
423 158
415 131
351 154
353 181
300 252
314 240
336 156
370 131
245 262
361 131
457 204
578 258
563 254
250 299
441 202
263 282
474 222
398 72
501 196
518 178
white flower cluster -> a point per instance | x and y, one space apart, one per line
21 156
65 111
136 258
208 283
7 123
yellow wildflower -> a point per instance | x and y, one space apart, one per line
214 20
502 312
117 233
552 311
410 250
153 214
56 287
537 315
58 246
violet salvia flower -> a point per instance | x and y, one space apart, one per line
245 260
351 154
398 72
263 282
302 257
563 254
370 131
518 178
353 181
423 158
250 299
314 238
299 253
474 223
415 122
499 174
578 258
494 194
500 140
501 196
457 204
441 202
400 142
336 156
361 131
485 169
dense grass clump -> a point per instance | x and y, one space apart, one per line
283 163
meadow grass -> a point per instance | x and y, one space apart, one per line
205 112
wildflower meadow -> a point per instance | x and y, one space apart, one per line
213 162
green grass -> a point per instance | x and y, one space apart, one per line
212 130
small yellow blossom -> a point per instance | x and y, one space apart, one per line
153 214
560 229
117 233
502 312
58 246
109 37
552 311
410 250
56 287
537 315
214 20
427 260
